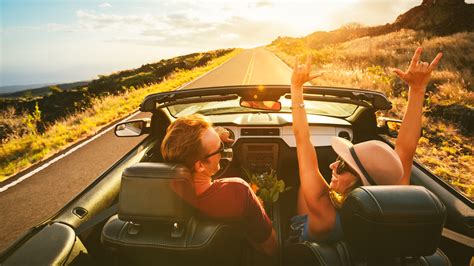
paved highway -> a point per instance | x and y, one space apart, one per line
42 194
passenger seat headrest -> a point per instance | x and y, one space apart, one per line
393 221
156 192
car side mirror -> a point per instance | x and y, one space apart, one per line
389 126
261 105
133 128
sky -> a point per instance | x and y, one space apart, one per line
69 40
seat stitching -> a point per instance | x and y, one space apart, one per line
374 199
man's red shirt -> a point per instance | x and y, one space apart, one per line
233 198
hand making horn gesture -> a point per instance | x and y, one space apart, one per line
301 73
418 74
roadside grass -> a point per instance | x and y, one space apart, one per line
21 152
445 148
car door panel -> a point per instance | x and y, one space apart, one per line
54 244
457 241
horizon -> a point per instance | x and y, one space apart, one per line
63 42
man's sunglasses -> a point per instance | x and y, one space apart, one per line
343 167
220 150
226 153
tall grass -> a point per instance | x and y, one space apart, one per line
446 147
23 151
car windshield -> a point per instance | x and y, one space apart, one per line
232 106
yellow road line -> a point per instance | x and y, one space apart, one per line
248 73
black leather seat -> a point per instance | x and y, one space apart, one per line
157 224
383 225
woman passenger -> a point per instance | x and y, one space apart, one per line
367 163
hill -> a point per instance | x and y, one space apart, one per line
361 57
434 17
54 103
440 17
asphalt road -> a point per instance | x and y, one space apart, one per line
40 196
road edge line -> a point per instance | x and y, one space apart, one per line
289 68
279 59
59 157
204 74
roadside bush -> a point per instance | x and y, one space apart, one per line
11 124
33 120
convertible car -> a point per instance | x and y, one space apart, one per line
135 212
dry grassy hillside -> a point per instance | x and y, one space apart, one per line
24 142
447 143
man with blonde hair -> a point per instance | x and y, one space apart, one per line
193 142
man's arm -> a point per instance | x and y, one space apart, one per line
268 247
417 76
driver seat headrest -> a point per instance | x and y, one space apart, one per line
392 221
152 192
157 223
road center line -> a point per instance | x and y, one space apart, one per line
39 169
249 71
203 75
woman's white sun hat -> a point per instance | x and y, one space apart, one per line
375 162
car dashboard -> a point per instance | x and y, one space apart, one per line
264 140
267 125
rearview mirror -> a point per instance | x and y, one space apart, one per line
389 126
261 105
133 128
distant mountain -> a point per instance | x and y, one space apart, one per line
39 90
15 88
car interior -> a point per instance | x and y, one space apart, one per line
144 216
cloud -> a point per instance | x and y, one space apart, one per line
91 21
186 21
379 11
234 31
51 27
264 3
105 5
182 29
249 23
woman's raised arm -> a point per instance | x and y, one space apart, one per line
313 186
417 76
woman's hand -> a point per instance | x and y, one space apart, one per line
419 73
301 74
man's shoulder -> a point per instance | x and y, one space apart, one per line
225 189
232 182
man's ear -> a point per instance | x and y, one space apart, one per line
199 166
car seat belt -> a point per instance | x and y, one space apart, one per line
96 219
